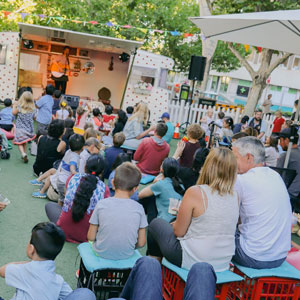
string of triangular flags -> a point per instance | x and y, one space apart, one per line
116 26
107 24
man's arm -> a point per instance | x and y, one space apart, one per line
139 152
92 233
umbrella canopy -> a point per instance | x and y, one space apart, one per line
278 30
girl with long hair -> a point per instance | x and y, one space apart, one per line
82 195
133 129
272 151
204 230
25 111
155 197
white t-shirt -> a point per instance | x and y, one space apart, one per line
265 213
62 114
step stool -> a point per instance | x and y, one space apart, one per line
282 283
105 277
174 279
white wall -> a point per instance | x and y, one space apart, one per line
88 85
9 71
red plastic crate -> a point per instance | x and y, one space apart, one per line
173 286
264 288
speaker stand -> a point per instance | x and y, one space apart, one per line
185 125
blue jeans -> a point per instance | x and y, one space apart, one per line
145 282
80 294
243 259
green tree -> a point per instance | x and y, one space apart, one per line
260 76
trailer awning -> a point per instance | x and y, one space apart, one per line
77 39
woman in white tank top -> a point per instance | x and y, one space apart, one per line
206 222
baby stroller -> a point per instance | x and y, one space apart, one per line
4 146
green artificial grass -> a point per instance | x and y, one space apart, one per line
17 220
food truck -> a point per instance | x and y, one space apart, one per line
111 70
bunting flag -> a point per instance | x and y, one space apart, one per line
259 49
246 48
152 31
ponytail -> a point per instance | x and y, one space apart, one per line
84 193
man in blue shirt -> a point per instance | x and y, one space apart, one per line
44 115
169 135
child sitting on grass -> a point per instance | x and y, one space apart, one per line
68 166
118 224
111 153
36 279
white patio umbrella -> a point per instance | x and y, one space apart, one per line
278 30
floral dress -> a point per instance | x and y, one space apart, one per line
24 127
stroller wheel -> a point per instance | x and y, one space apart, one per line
5 155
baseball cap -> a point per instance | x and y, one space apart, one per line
165 115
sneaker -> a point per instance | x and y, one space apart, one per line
39 195
35 182
25 158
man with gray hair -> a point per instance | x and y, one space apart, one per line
264 235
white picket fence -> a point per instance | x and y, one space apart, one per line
179 114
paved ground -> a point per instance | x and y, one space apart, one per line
17 220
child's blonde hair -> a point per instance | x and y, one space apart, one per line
26 103
141 113
90 132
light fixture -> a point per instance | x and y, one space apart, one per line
28 44
124 57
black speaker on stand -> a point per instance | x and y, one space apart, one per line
196 73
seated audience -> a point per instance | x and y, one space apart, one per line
97 118
204 230
241 126
81 116
152 151
272 152
133 128
287 124
62 113
92 146
186 150
294 160
166 186
145 282
6 116
69 124
206 120
250 131
108 116
278 122
226 131
129 111
259 124
111 153
189 176
118 224
239 135
68 166
50 147
36 279
264 234
56 101
120 122
169 135
83 192
90 132
219 122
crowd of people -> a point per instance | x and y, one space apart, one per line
231 203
